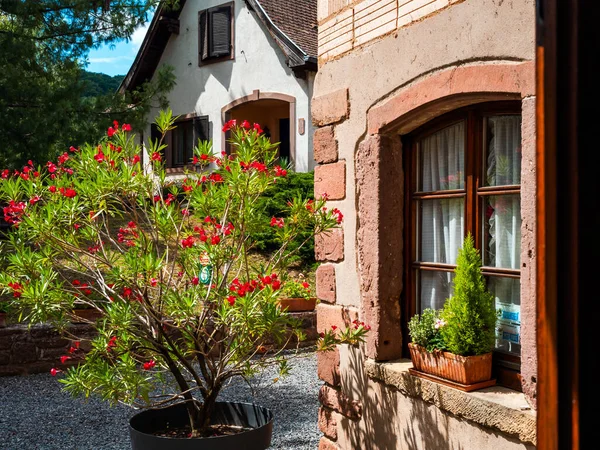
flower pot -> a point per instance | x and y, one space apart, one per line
260 420
298 304
85 315
465 370
2 320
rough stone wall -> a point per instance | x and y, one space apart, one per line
25 351
374 91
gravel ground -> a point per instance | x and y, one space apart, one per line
36 414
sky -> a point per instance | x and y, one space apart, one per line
116 60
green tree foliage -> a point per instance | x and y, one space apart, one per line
470 314
96 84
43 46
274 203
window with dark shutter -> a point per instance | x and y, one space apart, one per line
201 129
215 34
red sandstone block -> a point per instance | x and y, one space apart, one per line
338 401
330 108
328 423
325 146
330 246
326 444
325 280
328 367
330 179
329 315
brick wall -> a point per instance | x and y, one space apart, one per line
345 24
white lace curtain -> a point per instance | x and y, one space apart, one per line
442 226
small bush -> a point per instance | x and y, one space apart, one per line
424 330
273 203
470 314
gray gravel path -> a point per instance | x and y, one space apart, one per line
36 414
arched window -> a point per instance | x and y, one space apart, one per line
463 174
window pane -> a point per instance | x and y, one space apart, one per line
503 150
507 293
442 159
183 143
502 231
435 288
441 229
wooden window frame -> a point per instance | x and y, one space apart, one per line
170 167
506 366
212 60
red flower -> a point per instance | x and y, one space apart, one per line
34 200
149 365
258 129
231 300
337 214
5 173
280 172
126 127
68 192
156 156
110 132
64 358
63 158
73 149
229 125
127 292
277 222
99 157
246 125
112 342
153 282
188 242
54 371
276 284
52 189
135 160
334 327
305 285
195 281
185 212
216 178
215 240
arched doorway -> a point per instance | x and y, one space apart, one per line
274 112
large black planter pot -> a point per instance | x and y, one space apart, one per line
143 424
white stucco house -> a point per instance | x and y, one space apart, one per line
242 59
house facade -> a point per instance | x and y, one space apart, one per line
425 131
253 60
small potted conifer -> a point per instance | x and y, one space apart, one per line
456 343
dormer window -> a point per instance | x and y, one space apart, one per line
215 30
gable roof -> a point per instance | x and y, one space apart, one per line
291 23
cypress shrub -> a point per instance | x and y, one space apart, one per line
470 314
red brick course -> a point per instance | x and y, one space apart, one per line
328 423
330 108
338 401
326 444
328 367
325 280
330 179
330 246
328 315
325 145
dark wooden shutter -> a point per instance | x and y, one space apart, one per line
220 27
201 129
203 35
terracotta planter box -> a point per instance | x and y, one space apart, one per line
298 304
467 370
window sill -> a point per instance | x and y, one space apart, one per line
497 407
